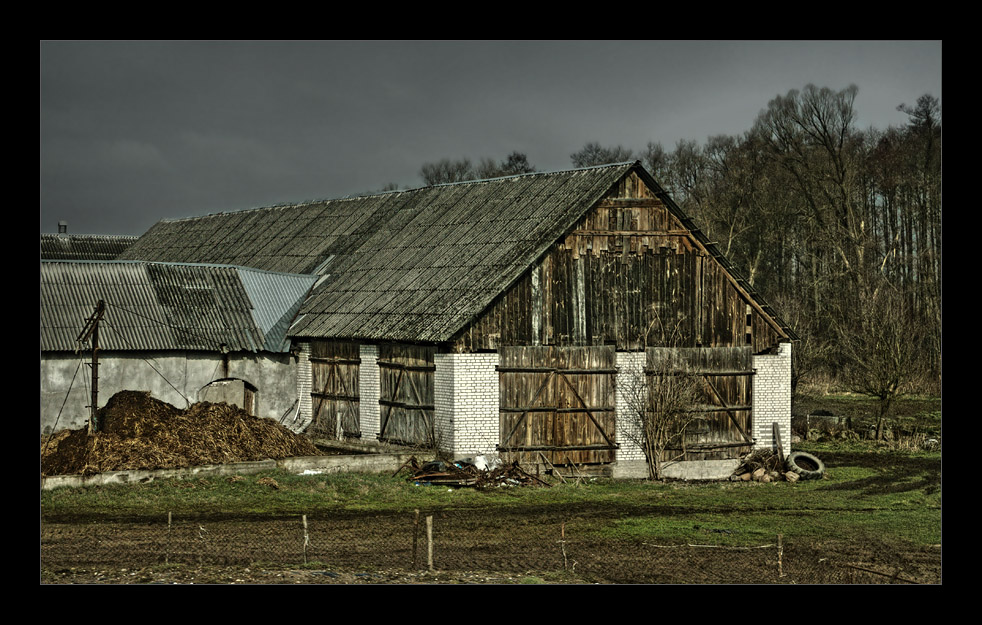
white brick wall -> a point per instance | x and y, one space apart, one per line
301 418
630 372
466 399
443 401
370 389
772 398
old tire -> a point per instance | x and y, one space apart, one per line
806 465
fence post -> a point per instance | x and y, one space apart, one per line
429 542
780 556
415 539
170 539
306 539
562 542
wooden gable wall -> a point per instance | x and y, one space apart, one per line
628 269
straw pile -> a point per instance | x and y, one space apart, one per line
140 432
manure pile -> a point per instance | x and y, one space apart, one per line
140 432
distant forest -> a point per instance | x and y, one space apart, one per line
838 227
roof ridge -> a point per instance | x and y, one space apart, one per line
347 198
83 261
66 235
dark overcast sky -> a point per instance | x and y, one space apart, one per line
135 132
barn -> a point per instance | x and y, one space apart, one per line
186 333
509 317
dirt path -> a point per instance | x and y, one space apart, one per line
469 547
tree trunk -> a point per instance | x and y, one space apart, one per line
881 419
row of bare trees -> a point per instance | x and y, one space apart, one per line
458 170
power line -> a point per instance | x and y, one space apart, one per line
54 428
149 364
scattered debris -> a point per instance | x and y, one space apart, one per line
140 432
268 481
466 473
767 466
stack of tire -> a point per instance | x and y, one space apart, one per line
806 465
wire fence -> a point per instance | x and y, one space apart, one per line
468 541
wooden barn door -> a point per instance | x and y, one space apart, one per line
335 390
721 424
557 402
406 397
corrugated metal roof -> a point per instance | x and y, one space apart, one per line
289 239
165 306
84 246
276 299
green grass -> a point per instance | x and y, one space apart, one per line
867 495
920 414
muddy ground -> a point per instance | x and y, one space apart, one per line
524 545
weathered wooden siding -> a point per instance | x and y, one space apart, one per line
557 403
335 393
407 393
630 274
723 376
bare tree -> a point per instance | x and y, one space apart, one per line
594 154
657 161
811 134
447 170
813 354
514 164
881 352
660 401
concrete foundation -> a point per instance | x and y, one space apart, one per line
358 463
688 470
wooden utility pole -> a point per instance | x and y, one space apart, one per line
91 329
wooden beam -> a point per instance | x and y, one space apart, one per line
720 409
699 372
348 398
559 410
704 446
401 367
335 361
559 448
405 405
551 370
630 233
